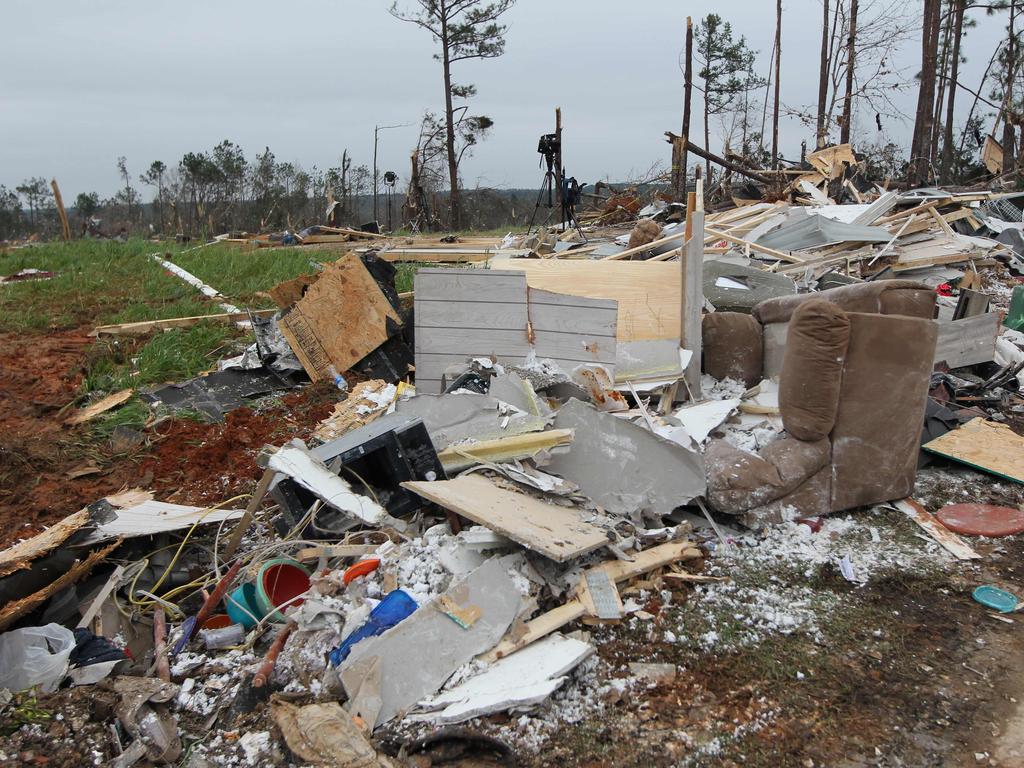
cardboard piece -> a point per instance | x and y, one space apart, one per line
388 674
341 319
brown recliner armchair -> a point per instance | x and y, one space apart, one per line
853 381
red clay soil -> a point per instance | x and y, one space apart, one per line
184 461
39 375
193 463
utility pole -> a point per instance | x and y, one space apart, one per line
376 130
778 67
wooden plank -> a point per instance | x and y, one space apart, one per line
20 556
100 406
969 341
710 235
15 610
146 326
647 294
984 445
435 256
945 537
617 570
554 531
692 305
335 550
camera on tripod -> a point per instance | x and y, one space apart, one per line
549 146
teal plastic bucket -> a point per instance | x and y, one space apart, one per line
242 606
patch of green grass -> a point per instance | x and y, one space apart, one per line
133 414
97 282
241 274
168 356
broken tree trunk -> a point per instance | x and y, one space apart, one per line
686 146
851 57
60 210
822 82
679 154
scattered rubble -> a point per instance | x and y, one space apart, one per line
671 426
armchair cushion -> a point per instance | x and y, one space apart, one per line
732 346
812 369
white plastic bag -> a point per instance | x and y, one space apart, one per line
35 656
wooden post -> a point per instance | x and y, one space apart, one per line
691 259
60 210
250 512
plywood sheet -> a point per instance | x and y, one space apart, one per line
554 531
985 445
341 318
648 294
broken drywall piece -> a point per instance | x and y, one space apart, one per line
624 468
390 673
152 517
702 419
313 475
556 532
518 392
456 418
521 680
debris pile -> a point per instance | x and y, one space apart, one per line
600 422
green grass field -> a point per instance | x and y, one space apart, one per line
106 282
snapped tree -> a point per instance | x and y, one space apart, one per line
464 29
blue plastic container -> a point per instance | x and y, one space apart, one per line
241 606
395 607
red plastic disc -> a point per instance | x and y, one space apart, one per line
982 519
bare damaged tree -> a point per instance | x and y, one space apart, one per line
882 26
465 29
959 6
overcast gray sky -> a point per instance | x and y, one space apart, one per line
89 81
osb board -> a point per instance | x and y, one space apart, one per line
340 320
648 293
554 531
985 445
14 611
21 555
